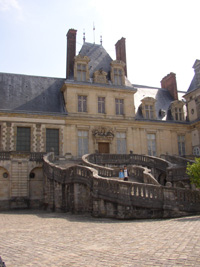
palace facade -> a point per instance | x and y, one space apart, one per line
94 109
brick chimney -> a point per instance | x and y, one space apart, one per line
71 52
169 83
120 47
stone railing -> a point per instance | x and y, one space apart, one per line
5 155
89 160
177 173
142 174
167 200
127 159
37 156
180 161
32 156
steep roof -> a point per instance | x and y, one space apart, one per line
99 58
192 86
163 100
31 94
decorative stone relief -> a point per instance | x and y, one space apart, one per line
100 76
103 133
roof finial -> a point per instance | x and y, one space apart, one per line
94 32
101 39
83 35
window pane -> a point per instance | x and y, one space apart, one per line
82 143
82 103
181 145
52 140
23 139
121 143
151 144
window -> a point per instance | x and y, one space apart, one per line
82 103
81 72
177 110
196 151
52 140
117 76
178 114
151 143
82 143
148 108
101 104
121 143
181 145
149 111
23 139
119 104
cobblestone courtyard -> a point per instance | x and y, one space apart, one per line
36 238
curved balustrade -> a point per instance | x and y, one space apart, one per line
121 193
127 159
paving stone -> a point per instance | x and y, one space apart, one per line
38 238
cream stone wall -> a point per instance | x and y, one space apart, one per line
36 184
195 137
136 131
191 104
71 93
4 184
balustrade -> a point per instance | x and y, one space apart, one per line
5 155
123 192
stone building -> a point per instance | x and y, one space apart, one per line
95 108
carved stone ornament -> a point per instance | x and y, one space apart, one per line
104 133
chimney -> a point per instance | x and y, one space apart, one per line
71 52
169 83
120 47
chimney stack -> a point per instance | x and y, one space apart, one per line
169 83
71 52
120 47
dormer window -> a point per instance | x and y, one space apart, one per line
117 72
81 71
148 108
177 110
149 111
117 76
178 114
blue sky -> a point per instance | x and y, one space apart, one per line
162 36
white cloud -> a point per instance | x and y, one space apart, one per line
6 5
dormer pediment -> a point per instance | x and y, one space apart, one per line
118 63
100 76
149 100
81 58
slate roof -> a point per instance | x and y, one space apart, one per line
99 58
31 94
162 97
192 86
